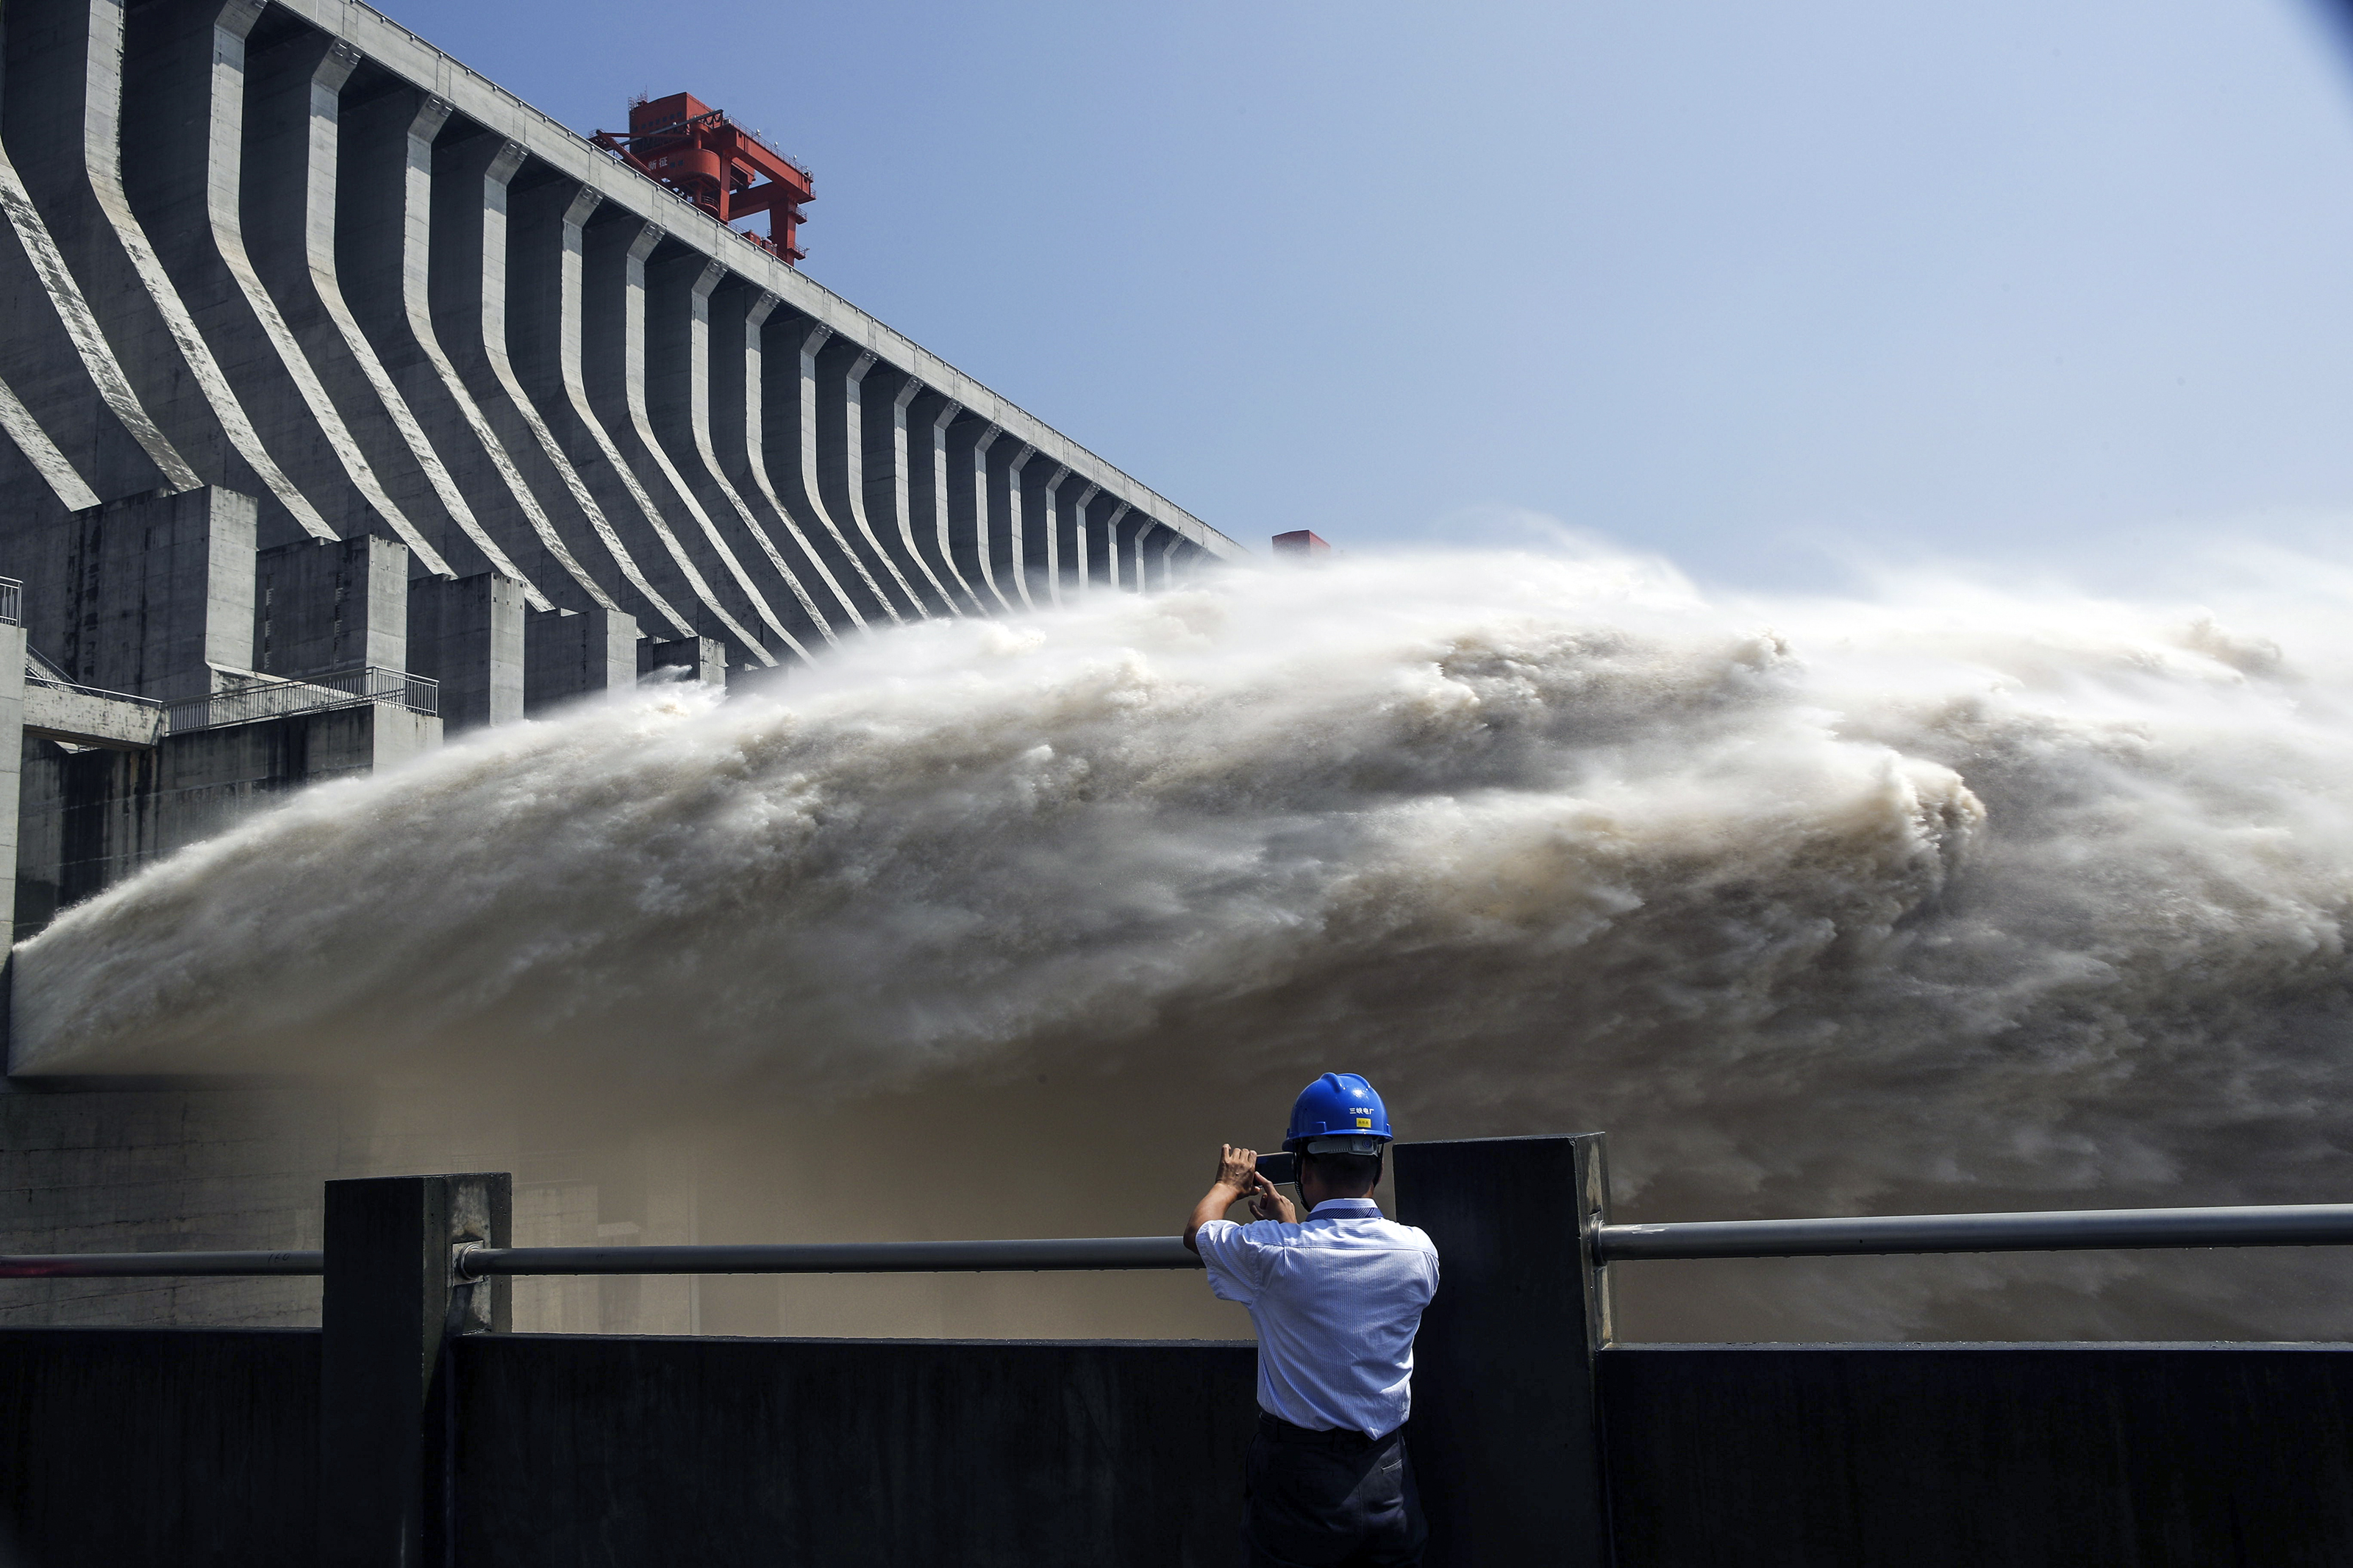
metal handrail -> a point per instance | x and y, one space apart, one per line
838 1257
476 1261
247 701
35 676
156 1265
2062 1230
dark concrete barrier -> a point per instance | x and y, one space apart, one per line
158 1448
1503 1433
618 1453
1985 1456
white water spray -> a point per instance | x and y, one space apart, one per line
1947 898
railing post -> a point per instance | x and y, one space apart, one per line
393 1301
1505 1434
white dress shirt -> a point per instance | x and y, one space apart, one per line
1337 1298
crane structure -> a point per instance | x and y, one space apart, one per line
717 165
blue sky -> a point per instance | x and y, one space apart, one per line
1771 289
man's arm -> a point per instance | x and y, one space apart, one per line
1237 1178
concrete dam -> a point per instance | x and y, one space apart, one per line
329 363
352 403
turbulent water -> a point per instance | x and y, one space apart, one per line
1942 898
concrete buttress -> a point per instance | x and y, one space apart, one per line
480 268
736 314
1076 539
1041 553
674 410
384 252
929 416
1102 520
60 115
183 157
546 333
64 399
841 368
1002 493
287 206
613 367
789 410
889 394
321 606
969 439
465 295
470 635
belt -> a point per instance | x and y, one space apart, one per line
1275 1429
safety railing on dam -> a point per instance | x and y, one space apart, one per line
474 1261
2059 1230
1533 1436
244 702
39 672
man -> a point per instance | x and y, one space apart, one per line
1336 1300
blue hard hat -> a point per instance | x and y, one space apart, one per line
1339 1109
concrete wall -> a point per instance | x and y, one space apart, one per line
145 1448
619 1452
187 1447
91 816
1960 1457
151 594
134 1447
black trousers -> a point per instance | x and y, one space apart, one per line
1330 1499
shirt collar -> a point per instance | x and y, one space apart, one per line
1344 1208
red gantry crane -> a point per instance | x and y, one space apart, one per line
717 165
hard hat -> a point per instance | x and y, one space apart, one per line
1339 1114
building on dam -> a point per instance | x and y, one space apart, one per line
350 403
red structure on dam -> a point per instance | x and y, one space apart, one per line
723 168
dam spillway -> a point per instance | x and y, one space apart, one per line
326 355
350 403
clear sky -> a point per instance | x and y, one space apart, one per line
1767 288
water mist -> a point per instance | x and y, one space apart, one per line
1945 898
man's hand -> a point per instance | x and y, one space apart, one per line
1268 1202
1237 1178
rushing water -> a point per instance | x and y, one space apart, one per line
1942 898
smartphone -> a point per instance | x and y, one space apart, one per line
1283 1170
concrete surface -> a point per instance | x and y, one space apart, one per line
2031 1455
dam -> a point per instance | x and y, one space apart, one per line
352 405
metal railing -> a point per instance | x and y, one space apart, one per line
2062 1230
38 675
838 1257
1053 1255
156 1265
249 700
